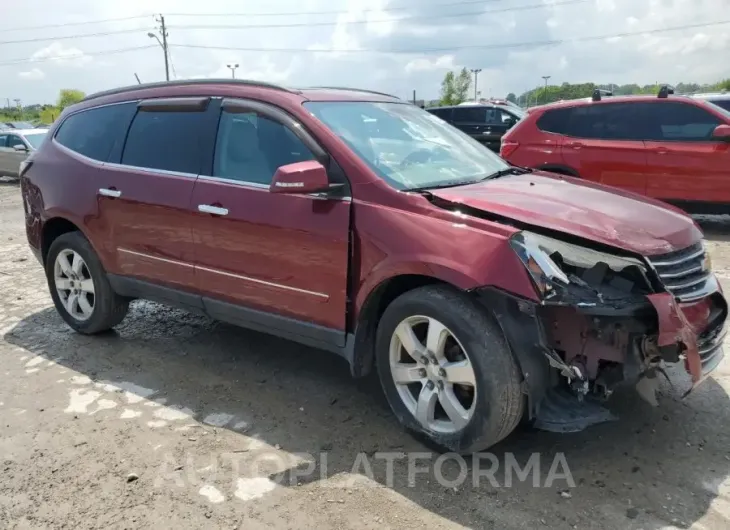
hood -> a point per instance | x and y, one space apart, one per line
591 211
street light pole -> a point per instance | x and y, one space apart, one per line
546 77
163 43
233 69
475 71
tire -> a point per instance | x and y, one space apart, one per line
108 310
497 400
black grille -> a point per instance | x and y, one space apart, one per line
682 272
709 345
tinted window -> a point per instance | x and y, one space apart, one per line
14 140
676 121
3 140
470 114
96 132
169 141
251 147
606 121
554 121
444 114
500 117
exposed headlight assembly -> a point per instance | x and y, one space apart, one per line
552 262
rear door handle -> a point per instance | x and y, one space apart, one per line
575 145
215 210
661 150
105 192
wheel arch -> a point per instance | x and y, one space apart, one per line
371 309
56 226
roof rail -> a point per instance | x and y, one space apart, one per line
598 93
354 90
187 82
664 91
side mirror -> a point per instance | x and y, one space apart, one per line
20 148
300 177
722 132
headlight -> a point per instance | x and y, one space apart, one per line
551 261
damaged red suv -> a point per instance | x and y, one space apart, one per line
352 221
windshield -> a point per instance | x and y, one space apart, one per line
517 111
406 146
35 139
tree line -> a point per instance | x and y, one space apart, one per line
456 88
42 114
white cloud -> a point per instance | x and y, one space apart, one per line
60 54
481 38
32 75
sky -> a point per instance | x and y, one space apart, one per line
394 46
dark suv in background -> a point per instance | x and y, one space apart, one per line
485 122
673 148
358 223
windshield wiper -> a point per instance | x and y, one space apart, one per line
512 170
444 185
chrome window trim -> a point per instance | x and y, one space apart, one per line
149 170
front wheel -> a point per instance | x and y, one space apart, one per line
447 371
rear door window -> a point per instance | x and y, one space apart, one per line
554 121
605 121
14 140
168 141
97 133
470 115
675 121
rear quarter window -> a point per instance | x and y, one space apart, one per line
554 121
97 133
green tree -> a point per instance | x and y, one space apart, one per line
455 87
69 96
511 97
49 114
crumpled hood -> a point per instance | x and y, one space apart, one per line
591 211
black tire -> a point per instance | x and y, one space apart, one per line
499 400
109 308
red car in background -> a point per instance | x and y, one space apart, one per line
672 148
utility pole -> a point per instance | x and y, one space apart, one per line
233 69
20 108
475 71
163 43
414 97
546 77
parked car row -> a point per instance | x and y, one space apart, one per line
15 146
482 294
672 148
486 122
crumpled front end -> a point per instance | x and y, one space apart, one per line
605 320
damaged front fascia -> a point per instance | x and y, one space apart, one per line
660 308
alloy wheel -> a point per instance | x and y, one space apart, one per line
74 285
433 374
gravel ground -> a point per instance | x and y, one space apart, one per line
178 421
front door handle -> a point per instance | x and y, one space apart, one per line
106 192
661 150
575 145
215 210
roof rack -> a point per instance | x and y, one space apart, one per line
598 93
187 82
353 90
664 91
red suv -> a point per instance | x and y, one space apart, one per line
673 148
352 221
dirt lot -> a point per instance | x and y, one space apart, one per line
179 421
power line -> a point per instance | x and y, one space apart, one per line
306 13
458 48
69 24
81 36
71 58
400 19
315 24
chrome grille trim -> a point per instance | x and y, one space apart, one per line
682 272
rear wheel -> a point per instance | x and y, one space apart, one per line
79 287
447 371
